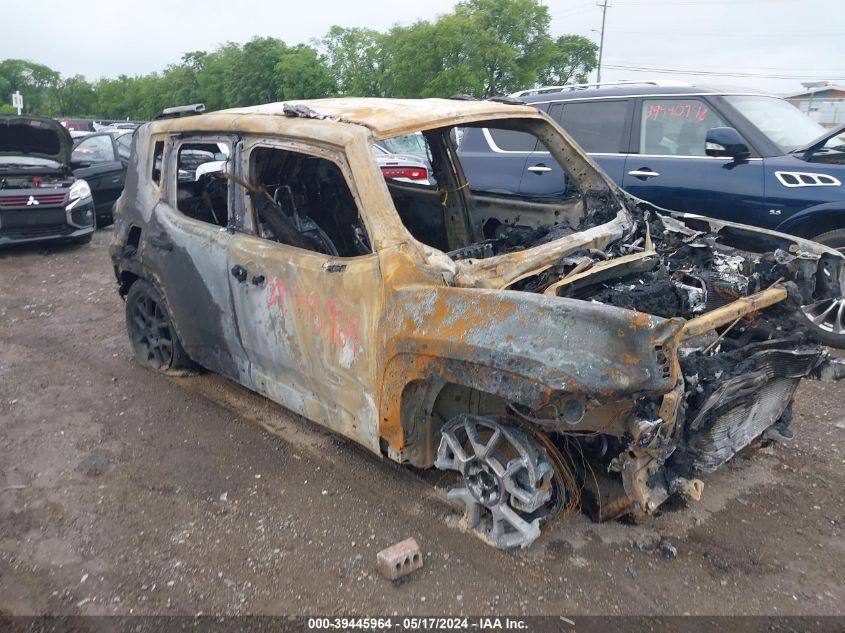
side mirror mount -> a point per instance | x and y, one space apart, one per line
725 142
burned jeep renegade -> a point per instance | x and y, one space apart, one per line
524 343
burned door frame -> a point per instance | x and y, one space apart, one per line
188 260
308 321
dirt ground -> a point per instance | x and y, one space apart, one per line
127 492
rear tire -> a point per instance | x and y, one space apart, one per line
151 333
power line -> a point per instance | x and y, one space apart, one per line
686 35
700 3
707 73
580 8
780 69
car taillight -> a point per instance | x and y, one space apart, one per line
411 173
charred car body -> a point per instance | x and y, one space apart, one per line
488 334
40 198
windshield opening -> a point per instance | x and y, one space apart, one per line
783 123
470 207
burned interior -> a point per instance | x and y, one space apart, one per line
487 222
304 201
526 343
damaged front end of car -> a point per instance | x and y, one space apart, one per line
691 340
624 339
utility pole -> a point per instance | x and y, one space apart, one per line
603 8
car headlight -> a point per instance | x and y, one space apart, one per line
78 191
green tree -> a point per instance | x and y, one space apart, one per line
303 74
354 56
572 59
34 81
212 70
75 97
251 78
483 48
509 42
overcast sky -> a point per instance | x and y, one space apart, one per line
783 38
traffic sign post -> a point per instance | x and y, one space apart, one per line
17 101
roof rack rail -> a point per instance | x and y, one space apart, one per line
661 83
507 100
178 111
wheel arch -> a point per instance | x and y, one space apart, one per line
420 393
815 220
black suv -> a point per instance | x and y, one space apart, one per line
738 156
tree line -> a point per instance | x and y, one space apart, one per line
482 48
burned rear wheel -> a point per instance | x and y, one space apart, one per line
507 479
154 340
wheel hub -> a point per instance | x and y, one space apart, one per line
483 482
150 332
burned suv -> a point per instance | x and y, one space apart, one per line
40 198
525 345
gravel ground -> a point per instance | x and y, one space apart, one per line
127 492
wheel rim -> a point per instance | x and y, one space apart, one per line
150 332
827 315
507 479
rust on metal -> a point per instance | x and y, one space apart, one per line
732 311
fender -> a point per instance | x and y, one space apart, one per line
825 212
522 346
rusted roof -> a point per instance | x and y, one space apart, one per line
391 117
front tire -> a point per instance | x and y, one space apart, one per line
151 333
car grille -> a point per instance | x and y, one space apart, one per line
24 200
33 222
44 230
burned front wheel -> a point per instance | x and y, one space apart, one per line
507 479
154 340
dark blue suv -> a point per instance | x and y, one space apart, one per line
738 156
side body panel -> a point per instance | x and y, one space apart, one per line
685 180
784 203
308 324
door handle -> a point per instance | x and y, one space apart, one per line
239 273
334 267
643 172
539 169
161 242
